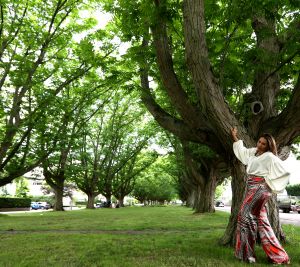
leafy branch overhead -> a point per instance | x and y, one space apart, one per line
40 63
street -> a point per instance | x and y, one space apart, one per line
285 218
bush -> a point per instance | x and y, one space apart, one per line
14 202
293 190
81 203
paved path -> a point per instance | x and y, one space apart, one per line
40 210
285 218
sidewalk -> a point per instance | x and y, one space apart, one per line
40 210
285 218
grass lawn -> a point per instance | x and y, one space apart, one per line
135 236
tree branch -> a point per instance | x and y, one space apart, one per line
282 64
213 106
286 126
8 41
178 96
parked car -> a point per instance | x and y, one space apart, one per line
219 203
35 206
284 203
44 205
99 205
40 205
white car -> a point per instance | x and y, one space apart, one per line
219 203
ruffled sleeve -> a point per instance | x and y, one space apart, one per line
279 174
243 153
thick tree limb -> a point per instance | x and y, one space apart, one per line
211 99
178 96
266 82
286 126
174 125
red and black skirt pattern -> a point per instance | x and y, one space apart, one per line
253 218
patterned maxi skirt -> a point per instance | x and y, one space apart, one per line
253 218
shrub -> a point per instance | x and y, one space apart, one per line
14 202
293 190
80 203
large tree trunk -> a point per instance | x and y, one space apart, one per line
201 196
91 201
238 185
195 198
204 174
206 201
190 200
273 215
184 189
215 108
56 182
108 201
59 192
204 196
121 201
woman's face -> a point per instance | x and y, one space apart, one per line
262 145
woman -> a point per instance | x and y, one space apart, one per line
266 174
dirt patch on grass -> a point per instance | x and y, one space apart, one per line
124 232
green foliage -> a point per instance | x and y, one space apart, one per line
219 191
15 202
293 190
4 192
111 149
22 187
125 178
80 203
156 184
233 52
40 59
68 190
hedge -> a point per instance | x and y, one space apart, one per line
10 202
293 190
80 203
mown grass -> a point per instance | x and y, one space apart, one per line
139 236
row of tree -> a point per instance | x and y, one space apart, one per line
64 107
199 67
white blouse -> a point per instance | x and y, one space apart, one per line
266 165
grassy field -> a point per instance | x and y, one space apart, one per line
136 236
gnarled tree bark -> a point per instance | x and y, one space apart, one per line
212 119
